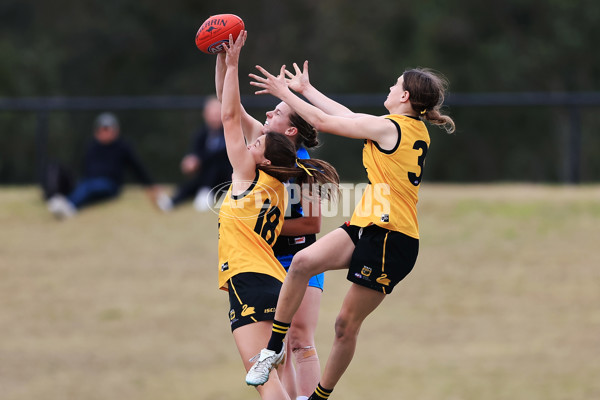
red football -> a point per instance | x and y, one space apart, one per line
215 31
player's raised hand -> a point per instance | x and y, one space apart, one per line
298 81
233 49
269 83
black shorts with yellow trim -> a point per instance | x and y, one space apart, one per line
252 298
381 258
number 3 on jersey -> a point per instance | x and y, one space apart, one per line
267 221
412 177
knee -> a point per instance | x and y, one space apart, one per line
306 354
302 344
298 336
345 328
293 337
301 265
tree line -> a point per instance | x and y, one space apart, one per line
132 48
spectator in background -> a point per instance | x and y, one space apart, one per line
106 159
207 163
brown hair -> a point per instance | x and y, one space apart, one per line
427 90
307 134
284 166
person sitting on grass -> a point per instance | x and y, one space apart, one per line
106 159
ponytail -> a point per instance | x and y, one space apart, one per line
437 118
307 134
427 90
284 166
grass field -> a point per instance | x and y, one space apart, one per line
122 302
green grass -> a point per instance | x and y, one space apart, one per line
122 302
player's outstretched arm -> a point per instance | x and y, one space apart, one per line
299 82
220 69
231 113
251 127
359 127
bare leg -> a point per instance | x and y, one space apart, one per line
332 251
358 304
301 338
287 372
249 340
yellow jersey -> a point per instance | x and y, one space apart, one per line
390 199
249 224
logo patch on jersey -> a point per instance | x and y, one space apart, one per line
385 217
247 310
366 271
225 266
231 314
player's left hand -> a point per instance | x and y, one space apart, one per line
270 84
299 81
233 49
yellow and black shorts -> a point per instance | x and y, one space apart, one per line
381 258
252 298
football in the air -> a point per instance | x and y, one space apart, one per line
216 30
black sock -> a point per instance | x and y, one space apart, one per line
277 335
320 393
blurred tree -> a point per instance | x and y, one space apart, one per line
99 48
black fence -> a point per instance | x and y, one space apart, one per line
571 103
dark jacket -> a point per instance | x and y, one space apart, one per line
111 160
